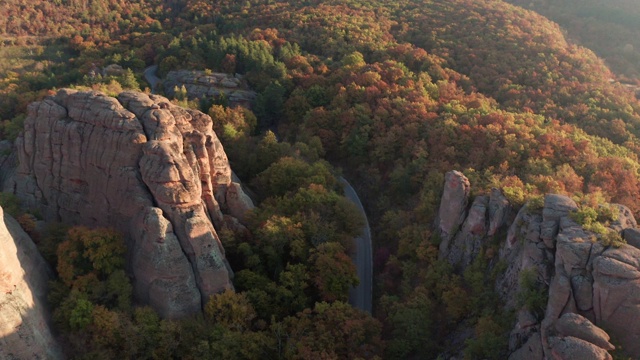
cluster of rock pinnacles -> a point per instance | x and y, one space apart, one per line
591 286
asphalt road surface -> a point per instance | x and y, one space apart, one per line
150 76
360 296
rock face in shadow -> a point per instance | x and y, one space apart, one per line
463 230
593 287
453 209
24 318
154 171
592 291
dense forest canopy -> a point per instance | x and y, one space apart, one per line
396 93
610 29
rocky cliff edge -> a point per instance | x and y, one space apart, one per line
593 285
24 318
152 170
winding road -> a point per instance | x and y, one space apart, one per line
361 296
150 76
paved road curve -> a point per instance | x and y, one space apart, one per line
150 76
361 295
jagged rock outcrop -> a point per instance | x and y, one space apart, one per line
462 232
570 259
152 170
200 84
453 208
24 275
593 286
467 242
577 326
570 348
616 295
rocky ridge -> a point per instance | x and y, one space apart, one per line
200 84
593 288
24 318
154 171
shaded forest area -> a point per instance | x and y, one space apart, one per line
394 92
608 29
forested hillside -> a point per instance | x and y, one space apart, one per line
610 29
394 94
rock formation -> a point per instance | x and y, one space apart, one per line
200 84
589 282
460 245
453 207
154 171
593 287
24 277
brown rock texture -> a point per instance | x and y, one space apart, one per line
499 211
453 208
570 348
532 350
556 207
593 288
466 244
152 170
210 85
616 295
463 232
454 201
24 275
571 324
238 202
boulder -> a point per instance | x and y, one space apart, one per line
577 326
570 348
25 331
113 70
523 249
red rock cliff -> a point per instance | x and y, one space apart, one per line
152 170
